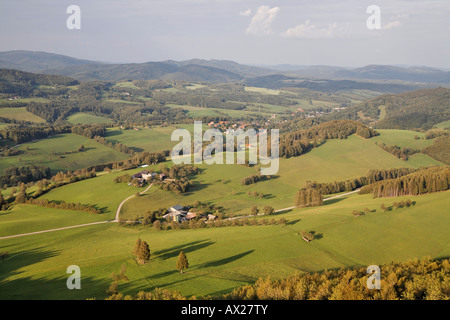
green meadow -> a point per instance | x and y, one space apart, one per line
336 160
20 114
151 139
86 118
50 152
27 218
221 259
402 138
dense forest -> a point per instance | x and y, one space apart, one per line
424 181
15 175
440 149
20 134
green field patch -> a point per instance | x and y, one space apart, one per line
50 152
442 125
100 191
263 90
20 114
86 118
151 139
27 218
402 138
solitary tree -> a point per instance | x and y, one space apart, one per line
182 262
137 246
269 210
254 210
144 252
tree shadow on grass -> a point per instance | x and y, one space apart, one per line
217 263
186 248
316 236
196 187
281 212
113 133
42 285
292 222
332 201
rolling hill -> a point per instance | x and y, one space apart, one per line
409 110
225 71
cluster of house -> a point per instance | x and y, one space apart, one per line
145 175
179 214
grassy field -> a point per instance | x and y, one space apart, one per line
85 118
263 90
442 125
198 112
49 152
402 138
100 191
336 160
20 114
27 218
146 139
223 258
220 258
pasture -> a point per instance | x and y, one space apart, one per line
20 114
221 259
51 152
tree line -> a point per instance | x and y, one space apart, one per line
424 181
401 153
372 176
24 174
20 134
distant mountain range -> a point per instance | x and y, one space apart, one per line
209 70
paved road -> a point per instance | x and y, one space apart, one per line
125 200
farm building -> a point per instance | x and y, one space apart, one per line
179 214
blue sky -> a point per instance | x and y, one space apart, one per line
303 32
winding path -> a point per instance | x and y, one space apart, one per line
79 225
125 200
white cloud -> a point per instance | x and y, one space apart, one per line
393 24
262 20
312 31
245 13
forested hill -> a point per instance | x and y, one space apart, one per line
23 83
37 61
409 110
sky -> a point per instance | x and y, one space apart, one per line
299 32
